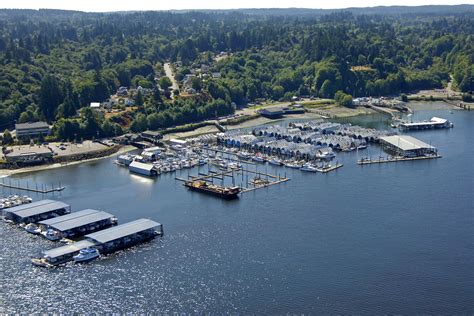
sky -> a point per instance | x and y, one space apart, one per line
120 5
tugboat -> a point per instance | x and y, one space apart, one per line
33 229
227 193
85 255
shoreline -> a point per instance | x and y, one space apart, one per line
11 172
312 113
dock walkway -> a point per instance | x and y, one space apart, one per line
396 159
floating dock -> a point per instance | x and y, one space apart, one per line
36 211
329 168
41 189
397 159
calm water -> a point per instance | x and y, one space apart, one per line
391 238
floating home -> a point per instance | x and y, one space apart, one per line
407 146
107 240
36 211
434 123
142 168
79 223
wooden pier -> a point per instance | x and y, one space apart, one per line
44 189
396 159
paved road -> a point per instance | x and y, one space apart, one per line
169 74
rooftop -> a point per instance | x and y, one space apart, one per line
123 230
23 126
68 249
28 150
77 219
141 165
36 208
405 142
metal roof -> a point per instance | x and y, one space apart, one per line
405 142
27 126
77 219
141 165
68 249
123 230
35 208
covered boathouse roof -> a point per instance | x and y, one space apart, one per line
122 230
76 219
68 249
406 143
36 208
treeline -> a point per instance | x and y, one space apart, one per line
56 62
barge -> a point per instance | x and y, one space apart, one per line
227 193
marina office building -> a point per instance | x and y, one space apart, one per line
36 211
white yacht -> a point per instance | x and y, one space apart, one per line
292 165
86 254
308 167
275 161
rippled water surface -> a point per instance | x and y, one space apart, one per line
391 238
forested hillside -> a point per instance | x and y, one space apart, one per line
55 62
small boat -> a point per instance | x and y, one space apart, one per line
292 165
361 147
51 234
41 262
33 229
275 161
258 158
87 254
308 167
243 155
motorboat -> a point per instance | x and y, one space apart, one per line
41 262
33 229
308 167
87 254
364 146
275 161
258 158
292 165
51 234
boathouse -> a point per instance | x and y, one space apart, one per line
107 240
407 146
142 168
65 253
79 223
36 211
125 235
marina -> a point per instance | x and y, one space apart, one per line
317 233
